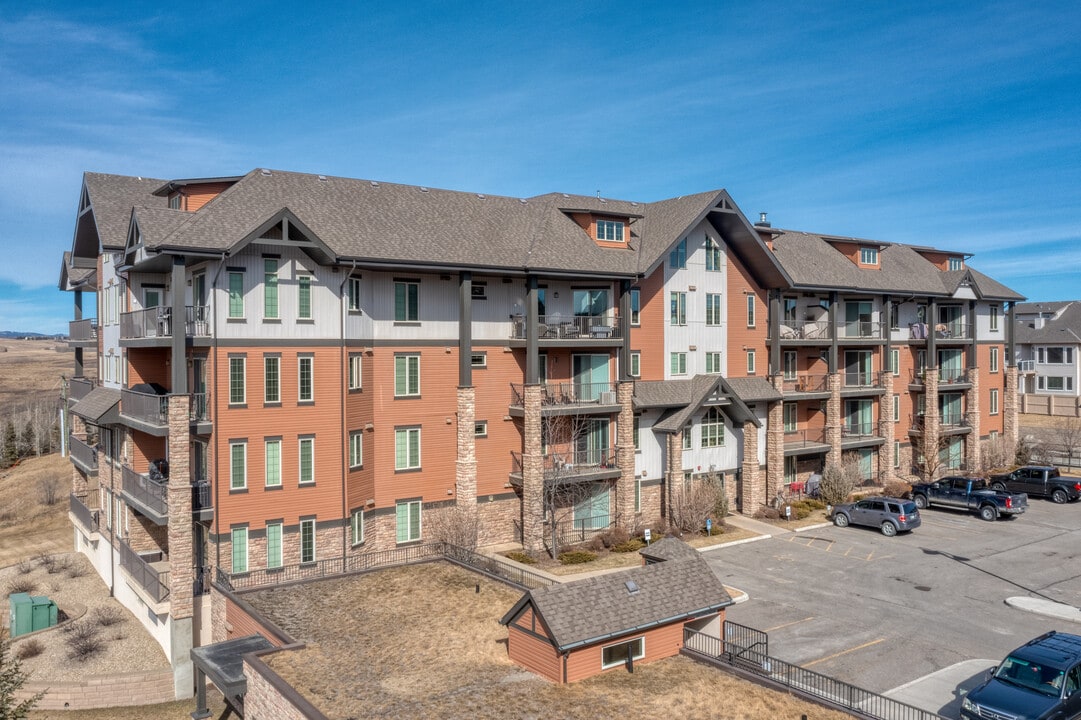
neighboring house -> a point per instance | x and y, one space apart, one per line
1048 343
295 369
571 631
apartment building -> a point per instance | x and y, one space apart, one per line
295 369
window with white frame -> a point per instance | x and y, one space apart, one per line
636 364
478 360
713 362
407 448
272 387
791 417
238 465
356 527
304 297
994 318
895 361
237 392
790 364
677 258
407 521
618 654
869 256
273 462
480 428
270 288
305 378
306 453
688 437
610 230
714 257
1054 355
273 544
637 493
678 363
406 375
712 428
239 550
750 311
677 314
993 404
750 362
236 295
406 301
955 263
356 372
356 448
897 408
897 453
353 294
713 309
307 540
636 307
993 364
637 433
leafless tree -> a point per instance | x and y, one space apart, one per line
1068 437
840 479
994 455
699 498
455 525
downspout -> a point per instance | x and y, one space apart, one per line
214 364
348 520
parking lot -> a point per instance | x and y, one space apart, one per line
883 612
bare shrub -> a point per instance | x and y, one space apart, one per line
994 455
84 640
22 585
693 503
107 615
839 480
49 562
456 526
897 488
50 490
24 566
29 648
75 570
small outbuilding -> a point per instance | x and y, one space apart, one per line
570 631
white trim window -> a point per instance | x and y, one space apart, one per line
677 314
236 295
678 363
273 544
356 372
356 449
895 361
750 362
751 319
636 365
353 294
306 458
993 319
304 297
993 402
272 386
237 389
791 417
238 465
897 408
713 362
610 230
406 301
305 378
713 428
407 448
714 256
636 307
407 514
307 540
270 288
356 527
273 462
868 256
406 375
993 363
239 548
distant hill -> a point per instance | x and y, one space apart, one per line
15 334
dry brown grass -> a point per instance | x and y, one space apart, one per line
420 641
32 528
32 367
169 711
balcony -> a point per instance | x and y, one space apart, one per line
199 413
83 333
78 388
149 497
1026 367
202 501
86 518
952 376
157 323
83 456
808 384
564 468
579 329
568 398
861 330
813 331
857 430
149 572
943 332
805 442
145 410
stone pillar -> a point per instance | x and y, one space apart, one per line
625 515
931 420
181 573
973 457
753 491
887 428
674 474
775 441
532 472
834 418
1010 408
465 466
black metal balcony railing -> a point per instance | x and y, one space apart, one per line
568 393
82 454
861 329
574 327
805 438
855 429
83 330
201 498
157 322
953 420
151 494
566 465
148 407
816 330
87 518
78 388
951 375
199 407
952 331
806 383
153 580
861 379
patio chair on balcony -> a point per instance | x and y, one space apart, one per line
788 333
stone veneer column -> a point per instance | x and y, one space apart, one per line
181 574
1010 408
465 466
887 428
674 475
931 419
775 441
625 514
753 489
532 472
973 456
834 419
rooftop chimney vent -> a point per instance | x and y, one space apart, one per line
762 222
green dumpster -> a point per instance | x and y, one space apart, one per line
31 613
43 611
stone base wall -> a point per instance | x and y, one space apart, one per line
271 697
497 519
144 688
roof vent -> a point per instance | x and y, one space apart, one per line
323 178
480 195
762 222
265 171
375 184
632 587
423 189
522 200
566 195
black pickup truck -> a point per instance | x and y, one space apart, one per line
1041 480
972 494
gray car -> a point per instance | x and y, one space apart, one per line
890 515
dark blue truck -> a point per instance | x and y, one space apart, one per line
973 494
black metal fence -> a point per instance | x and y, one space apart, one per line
753 658
427 552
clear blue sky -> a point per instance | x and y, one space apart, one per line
949 124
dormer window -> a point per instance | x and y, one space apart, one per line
610 230
956 263
174 201
868 256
